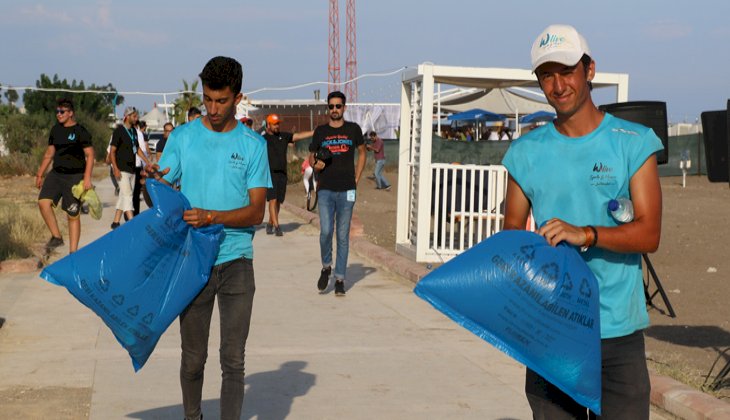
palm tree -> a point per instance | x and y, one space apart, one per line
188 99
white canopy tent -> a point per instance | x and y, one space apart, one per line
499 101
413 225
155 119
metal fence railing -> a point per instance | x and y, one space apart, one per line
467 206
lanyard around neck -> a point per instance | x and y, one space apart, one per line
134 139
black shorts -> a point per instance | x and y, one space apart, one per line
278 192
57 186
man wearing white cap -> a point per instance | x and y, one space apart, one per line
125 147
566 172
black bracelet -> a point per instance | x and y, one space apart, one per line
595 235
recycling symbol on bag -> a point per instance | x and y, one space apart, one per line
585 290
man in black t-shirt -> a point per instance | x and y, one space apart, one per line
277 143
338 178
160 146
124 148
70 149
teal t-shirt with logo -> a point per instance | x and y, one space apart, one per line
573 179
215 171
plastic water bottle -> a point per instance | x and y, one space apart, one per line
622 210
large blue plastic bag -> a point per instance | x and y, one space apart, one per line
139 277
536 303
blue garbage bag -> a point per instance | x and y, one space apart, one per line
139 277
535 302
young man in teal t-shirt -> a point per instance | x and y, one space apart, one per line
224 172
566 172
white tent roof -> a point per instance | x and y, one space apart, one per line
493 77
155 119
499 101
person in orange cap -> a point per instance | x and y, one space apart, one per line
277 142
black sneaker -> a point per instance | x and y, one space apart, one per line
324 278
278 232
339 288
115 225
53 243
269 229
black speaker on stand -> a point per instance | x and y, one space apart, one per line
717 144
652 114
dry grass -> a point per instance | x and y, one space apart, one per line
20 220
23 227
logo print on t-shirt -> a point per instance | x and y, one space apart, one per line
337 144
237 161
72 137
602 175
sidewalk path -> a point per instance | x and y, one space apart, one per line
380 352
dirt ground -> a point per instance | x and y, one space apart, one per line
692 264
41 403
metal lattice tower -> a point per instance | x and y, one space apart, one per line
333 66
351 59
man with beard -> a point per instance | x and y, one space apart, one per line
125 149
332 153
277 142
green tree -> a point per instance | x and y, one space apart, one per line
188 99
25 133
11 95
96 105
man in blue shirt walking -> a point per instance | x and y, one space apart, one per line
224 172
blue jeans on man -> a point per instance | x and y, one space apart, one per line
335 213
380 180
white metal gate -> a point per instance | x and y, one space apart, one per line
468 206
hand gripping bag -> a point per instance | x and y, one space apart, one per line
139 277
534 302
90 197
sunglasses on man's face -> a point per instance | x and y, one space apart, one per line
332 106
61 111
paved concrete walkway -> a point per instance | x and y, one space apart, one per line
380 352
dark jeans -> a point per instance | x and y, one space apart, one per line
233 283
114 179
137 189
625 386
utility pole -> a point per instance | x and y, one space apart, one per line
333 66
351 59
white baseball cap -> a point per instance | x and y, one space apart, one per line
560 44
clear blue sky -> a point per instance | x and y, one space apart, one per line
673 51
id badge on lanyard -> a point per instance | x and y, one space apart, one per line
134 141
